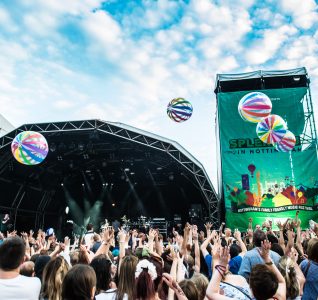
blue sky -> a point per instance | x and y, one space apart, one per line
124 60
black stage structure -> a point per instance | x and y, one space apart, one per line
111 167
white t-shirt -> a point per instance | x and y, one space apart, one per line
20 288
109 295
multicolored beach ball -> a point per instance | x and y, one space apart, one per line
254 106
29 148
179 110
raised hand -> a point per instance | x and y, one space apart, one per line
195 235
237 234
208 226
280 225
224 253
264 250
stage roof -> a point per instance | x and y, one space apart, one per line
258 80
134 170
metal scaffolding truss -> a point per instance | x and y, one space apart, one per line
309 136
132 134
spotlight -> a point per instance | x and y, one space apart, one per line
80 146
103 184
53 147
159 168
127 170
113 204
67 209
296 78
62 184
132 173
82 184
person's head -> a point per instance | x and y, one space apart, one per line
257 227
89 226
126 284
189 289
102 267
40 264
12 252
258 237
52 278
312 249
272 238
201 283
96 238
287 268
277 248
227 232
235 250
145 275
79 283
74 257
263 282
27 269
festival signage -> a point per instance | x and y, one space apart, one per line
258 180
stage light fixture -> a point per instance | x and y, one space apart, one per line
62 184
52 147
296 78
113 204
132 173
81 146
82 184
171 177
60 158
159 168
126 169
85 156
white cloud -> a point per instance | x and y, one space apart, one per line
303 12
265 48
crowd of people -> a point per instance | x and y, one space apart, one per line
210 264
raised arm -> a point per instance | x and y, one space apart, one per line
237 235
220 258
264 253
281 240
195 238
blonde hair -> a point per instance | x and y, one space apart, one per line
201 283
287 268
52 278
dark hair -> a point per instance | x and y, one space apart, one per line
145 287
277 248
189 289
102 267
235 250
40 264
89 226
258 237
272 238
78 283
312 250
12 252
263 282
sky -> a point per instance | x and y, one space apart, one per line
123 61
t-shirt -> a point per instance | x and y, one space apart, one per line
235 264
20 288
208 261
252 258
311 284
109 295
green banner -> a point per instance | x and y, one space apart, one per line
258 181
